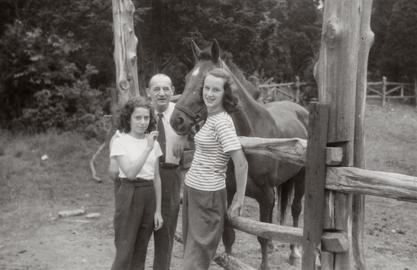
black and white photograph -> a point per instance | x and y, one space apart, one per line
211 134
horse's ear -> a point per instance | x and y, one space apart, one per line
196 50
215 51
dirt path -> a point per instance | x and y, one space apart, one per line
32 193
87 244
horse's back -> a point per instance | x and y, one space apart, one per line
291 118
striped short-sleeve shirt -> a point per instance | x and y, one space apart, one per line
213 143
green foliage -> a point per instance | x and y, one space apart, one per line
77 107
252 32
380 17
32 60
43 88
394 53
399 50
56 57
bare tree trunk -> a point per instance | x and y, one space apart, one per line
358 219
125 58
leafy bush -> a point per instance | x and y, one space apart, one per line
43 88
77 107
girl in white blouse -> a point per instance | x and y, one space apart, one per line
138 188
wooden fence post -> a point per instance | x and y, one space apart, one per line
337 83
297 89
384 90
314 185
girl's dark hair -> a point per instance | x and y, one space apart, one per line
230 101
128 109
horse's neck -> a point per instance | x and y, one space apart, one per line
252 89
251 111
242 124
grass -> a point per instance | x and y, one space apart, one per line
32 191
391 138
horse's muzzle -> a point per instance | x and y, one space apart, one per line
180 124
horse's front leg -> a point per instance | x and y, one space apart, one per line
266 207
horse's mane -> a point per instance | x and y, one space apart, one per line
252 89
206 54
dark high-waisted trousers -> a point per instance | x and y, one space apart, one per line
170 206
133 222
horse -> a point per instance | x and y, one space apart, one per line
283 119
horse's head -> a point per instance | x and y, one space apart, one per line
190 108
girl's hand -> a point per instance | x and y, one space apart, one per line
158 221
151 137
236 208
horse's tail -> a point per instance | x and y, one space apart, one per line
284 192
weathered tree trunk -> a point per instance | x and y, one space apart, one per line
337 82
125 43
358 221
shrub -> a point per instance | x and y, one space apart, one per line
42 88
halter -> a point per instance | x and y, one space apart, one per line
196 117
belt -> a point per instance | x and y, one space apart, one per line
138 182
164 165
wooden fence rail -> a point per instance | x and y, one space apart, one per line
384 184
383 90
344 179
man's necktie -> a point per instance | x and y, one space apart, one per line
161 136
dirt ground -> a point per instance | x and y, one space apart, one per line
32 192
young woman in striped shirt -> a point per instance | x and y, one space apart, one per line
204 202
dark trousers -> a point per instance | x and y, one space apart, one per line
203 217
164 237
133 223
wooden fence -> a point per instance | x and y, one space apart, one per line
277 91
383 90
332 236
325 173
326 178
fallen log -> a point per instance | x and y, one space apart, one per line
92 163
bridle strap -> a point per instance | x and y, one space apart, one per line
196 117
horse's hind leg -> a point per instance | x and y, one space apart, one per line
296 208
266 206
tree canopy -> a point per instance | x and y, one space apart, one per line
56 57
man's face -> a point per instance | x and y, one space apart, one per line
160 91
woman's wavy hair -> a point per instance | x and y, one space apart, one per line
230 101
128 109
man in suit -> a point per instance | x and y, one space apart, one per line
160 89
